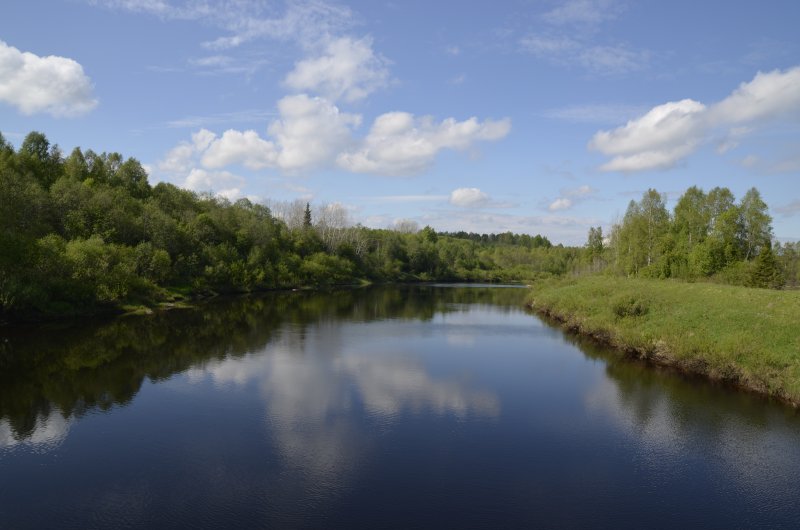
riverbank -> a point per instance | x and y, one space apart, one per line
186 298
746 337
161 299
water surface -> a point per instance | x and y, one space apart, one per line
383 407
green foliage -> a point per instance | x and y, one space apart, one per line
766 273
737 273
88 233
595 241
788 257
429 234
707 236
755 223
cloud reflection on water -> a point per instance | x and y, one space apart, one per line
324 401
390 385
48 432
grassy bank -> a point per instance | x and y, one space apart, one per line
748 337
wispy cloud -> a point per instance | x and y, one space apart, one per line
309 24
750 161
240 116
569 35
223 64
306 22
790 164
408 198
791 209
549 46
12 134
616 59
783 164
596 113
570 197
583 12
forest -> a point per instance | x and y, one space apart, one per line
87 233
708 236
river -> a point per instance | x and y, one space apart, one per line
417 406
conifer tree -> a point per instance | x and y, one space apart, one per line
307 217
766 273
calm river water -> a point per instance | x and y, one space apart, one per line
423 406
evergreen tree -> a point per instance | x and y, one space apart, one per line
766 273
307 217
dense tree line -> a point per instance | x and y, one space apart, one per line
87 232
506 238
706 236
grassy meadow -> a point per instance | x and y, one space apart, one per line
749 337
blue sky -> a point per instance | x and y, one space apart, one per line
531 116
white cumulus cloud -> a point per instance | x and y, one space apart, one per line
668 133
181 158
400 143
51 84
657 140
768 96
222 183
240 147
310 132
347 69
469 198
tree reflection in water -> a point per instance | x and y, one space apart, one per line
55 373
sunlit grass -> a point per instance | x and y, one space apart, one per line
743 335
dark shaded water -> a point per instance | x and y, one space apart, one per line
384 407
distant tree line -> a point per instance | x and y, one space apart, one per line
87 232
506 238
706 236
